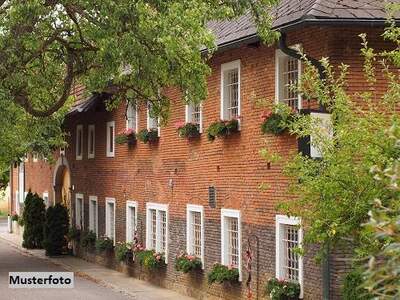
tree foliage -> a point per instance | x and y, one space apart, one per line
132 49
34 218
337 196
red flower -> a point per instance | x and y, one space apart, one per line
180 124
266 115
129 131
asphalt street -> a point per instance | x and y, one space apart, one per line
11 260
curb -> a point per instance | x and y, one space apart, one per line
77 273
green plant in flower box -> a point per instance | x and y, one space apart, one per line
148 136
221 274
123 251
150 259
186 263
126 137
278 120
187 129
222 128
88 239
282 290
104 243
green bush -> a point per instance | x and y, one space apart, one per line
34 219
351 289
221 273
186 263
150 260
123 251
222 128
278 121
56 230
104 243
88 239
74 234
187 130
281 289
148 136
14 217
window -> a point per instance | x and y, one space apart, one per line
46 199
79 211
79 142
157 228
131 220
230 90
195 231
152 123
231 239
110 218
289 264
287 76
194 115
93 215
111 139
131 117
35 157
323 132
91 141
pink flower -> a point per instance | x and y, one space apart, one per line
158 257
180 124
230 267
266 115
129 131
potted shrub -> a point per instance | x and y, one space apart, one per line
123 252
282 289
148 136
14 220
128 136
186 263
104 244
278 120
221 274
149 259
222 128
88 240
187 130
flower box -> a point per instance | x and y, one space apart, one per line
148 136
222 128
149 259
186 263
123 252
126 137
278 120
221 274
282 290
104 244
187 130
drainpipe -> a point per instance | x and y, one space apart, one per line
295 54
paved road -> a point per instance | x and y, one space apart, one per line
11 260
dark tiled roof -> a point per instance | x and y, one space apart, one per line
291 11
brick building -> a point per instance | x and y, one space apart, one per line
203 196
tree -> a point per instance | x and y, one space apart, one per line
56 230
131 49
336 196
34 218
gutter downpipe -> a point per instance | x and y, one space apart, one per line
321 71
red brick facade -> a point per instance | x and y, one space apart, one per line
144 173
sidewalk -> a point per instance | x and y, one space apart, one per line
120 282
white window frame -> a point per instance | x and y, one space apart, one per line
148 121
157 207
82 208
108 233
136 117
46 195
130 204
188 115
280 222
279 55
189 238
92 213
79 128
230 213
92 128
226 67
108 152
